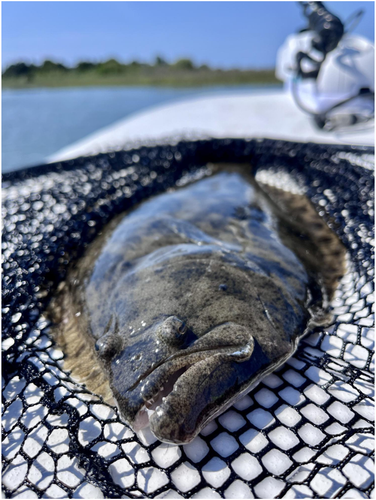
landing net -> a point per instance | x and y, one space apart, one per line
305 431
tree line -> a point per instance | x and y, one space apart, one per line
109 67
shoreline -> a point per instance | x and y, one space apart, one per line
191 79
143 85
219 86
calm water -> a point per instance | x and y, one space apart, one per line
38 122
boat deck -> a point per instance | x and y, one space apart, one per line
266 114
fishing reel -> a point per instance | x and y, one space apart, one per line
329 71
327 30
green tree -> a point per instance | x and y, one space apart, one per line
50 66
16 70
111 67
85 66
184 64
159 61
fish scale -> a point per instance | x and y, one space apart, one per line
79 198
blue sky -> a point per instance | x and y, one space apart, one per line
221 34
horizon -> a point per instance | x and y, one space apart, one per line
241 35
151 63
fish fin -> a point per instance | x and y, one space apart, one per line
80 358
314 242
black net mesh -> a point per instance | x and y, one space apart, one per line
305 431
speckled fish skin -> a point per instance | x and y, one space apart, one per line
195 282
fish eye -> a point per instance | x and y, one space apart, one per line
172 331
108 346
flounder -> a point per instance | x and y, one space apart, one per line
183 304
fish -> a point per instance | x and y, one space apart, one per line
181 305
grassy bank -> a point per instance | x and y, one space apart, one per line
183 75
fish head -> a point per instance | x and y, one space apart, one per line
175 381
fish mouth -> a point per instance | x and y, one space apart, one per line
146 412
169 388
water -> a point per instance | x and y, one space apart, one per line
38 122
